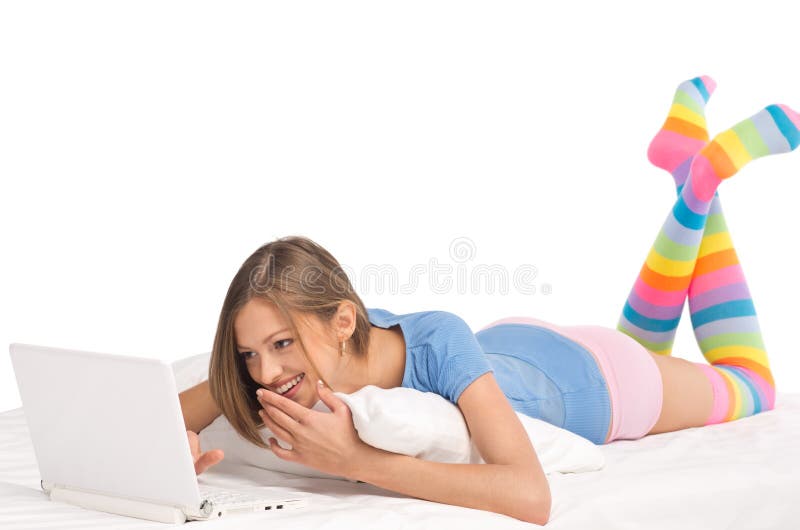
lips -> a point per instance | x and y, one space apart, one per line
294 389
281 383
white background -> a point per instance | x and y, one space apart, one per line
147 148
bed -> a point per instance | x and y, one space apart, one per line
742 474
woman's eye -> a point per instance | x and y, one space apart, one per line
281 342
246 354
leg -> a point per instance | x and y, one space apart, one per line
688 397
683 134
726 327
670 266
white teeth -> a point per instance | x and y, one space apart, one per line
285 388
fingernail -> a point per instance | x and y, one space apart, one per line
320 383
260 392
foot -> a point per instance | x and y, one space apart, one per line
775 129
685 131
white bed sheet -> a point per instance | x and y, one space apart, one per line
742 474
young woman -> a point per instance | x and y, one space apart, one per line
292 330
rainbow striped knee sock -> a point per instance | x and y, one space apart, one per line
673 148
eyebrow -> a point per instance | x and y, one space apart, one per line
265 340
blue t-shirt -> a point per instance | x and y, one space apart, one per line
442 354
542 373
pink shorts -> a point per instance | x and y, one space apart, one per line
632 376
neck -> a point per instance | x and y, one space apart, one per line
379 367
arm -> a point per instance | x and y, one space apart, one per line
512 481
198 407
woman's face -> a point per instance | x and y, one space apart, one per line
273 354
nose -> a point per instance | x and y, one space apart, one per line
269 372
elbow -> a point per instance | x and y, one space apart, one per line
538 505
538 514
544 511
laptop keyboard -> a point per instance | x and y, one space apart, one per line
232 498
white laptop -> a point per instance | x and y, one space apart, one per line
108 434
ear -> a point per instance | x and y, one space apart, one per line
344 321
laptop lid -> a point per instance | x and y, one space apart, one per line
106 423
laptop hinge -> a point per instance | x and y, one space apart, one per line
119 505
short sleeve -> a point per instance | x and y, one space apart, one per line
463 359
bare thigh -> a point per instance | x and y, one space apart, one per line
688 397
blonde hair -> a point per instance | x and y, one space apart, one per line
300 278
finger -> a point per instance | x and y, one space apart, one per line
329 398
336 404
289 407
283 420
280 452
207 460
194 443
277 429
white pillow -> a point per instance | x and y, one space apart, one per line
428 426
401 420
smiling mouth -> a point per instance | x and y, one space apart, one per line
296 382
